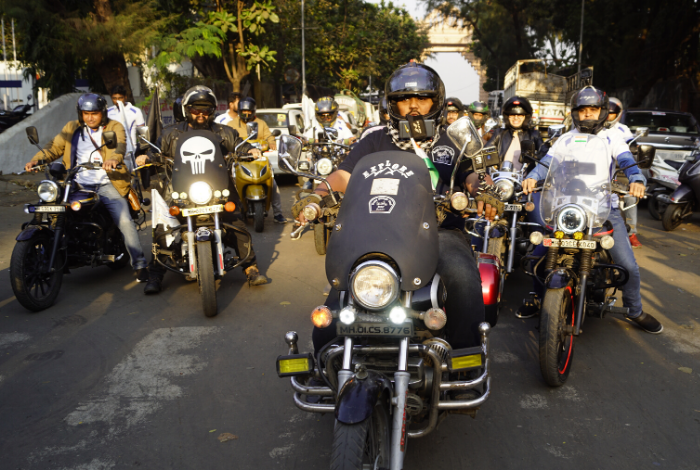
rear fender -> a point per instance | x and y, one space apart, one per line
29 232
357 398
684 193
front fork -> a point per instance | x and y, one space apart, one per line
58 231
511 248
218 244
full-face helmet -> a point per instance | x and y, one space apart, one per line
92 102
478 107
414 79
326 111
589 97
246 109
614 107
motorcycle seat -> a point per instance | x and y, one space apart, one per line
606 229
674 163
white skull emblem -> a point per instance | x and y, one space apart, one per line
196 151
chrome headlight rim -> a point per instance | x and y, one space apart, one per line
200 192
383 267
506 188
569 208
50 187
324 166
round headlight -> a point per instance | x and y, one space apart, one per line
200 192
48 191
571 219
324 166
506 188
607 242
312 211
374 285
459 201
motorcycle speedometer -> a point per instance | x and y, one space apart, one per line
324 166
48 191
200 192
571 219
374 284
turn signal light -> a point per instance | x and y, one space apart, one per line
559 234
76 205
321 316
578 236
529 206
607 242
435 319
230 206
536 238
174 211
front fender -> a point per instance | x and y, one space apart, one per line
558 279
684 193
29 232
255 192
357 398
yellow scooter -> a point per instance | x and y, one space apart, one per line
253 179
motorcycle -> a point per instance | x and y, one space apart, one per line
69 229
662 179
254 178
581 278
18 113
192 227
682 202
382 261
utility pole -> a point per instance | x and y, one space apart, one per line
303 52
580 40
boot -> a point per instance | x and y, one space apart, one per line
254 276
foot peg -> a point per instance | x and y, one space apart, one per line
618 310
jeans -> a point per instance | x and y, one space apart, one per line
276 199
631 214
118 208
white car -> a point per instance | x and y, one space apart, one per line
281 119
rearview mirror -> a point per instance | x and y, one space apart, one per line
555 130
331 132
110 139
462 132
645 156
276 133
252 128
33 135
142 131
641 132
289 148
293 129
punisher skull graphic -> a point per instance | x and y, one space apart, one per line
196 151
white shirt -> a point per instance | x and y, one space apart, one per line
83 151
223 119
134 120
339 124
626 132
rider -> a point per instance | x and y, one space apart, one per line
199 105
614 114
133 115
75 144
589 111
417 90
246 114
232 113
453 110
326 110
518 118
478 112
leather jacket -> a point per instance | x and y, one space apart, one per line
167 142
502 139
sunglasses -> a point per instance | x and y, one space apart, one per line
199 111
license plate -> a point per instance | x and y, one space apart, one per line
568 243
203 210
670 155
49 208
589 244
513 207
375 329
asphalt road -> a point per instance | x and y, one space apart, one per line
109 378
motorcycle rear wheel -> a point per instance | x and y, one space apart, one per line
654 208
205 279
556 348
34 287
672 217
258 215
357 445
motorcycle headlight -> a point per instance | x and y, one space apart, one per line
374 284
263 171
571 219
324 166
303 166
200 192
48 191
506 188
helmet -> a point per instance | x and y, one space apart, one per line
326 110
201 98
614 107
383 110
414 79
92 102
247 104
177 110
478 107
519 106
589 96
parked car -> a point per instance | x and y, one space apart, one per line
674 134
282 119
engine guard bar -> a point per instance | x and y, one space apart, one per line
616 283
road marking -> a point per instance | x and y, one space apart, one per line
281 451
95 464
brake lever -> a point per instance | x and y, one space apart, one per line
296 234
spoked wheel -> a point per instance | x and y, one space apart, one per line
556 339
321 234
258 215
205 279
672 217
35 287
365 445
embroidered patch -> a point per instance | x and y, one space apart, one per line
381 205
443 155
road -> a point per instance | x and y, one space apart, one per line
109 378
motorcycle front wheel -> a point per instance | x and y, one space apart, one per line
258 215
205 279
556 346
363 445
672 217
34 286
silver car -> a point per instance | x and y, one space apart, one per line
674 134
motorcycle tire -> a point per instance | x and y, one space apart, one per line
205 279
357 446
321 235
258 215
35 290
672 217
654 207
556 348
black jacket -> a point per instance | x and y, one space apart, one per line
167 142
502 139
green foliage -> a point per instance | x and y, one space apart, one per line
200 39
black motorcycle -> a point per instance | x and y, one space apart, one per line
686 197
387 375
18 113
69 229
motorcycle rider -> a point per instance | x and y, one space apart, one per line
326 110
614 114
75 144
478 112
417 89
518 122
246 114
199 105
134 119
232 113
589 111
453 110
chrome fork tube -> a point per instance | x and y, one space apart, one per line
511 248
486 237
219 244
345 373
399 435
190 248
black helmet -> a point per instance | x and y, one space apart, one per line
383 110
177 110
326 110
246 104
519 106
478 107
589 96
92 102
414 79
614 107
201 98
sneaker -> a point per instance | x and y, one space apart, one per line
648 323
153 286
280 219
254 276
529 308
634 241
142 275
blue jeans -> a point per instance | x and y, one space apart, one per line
118 208
631 214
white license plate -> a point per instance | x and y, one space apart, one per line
589 244
49 208
568 243
203 210
671 155
513 207
374 329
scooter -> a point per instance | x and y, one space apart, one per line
681 203
662 178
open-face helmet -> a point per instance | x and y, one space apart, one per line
246 109
92 102
614 107
478 107
414 79
518 106
595 98
196 100
326 111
